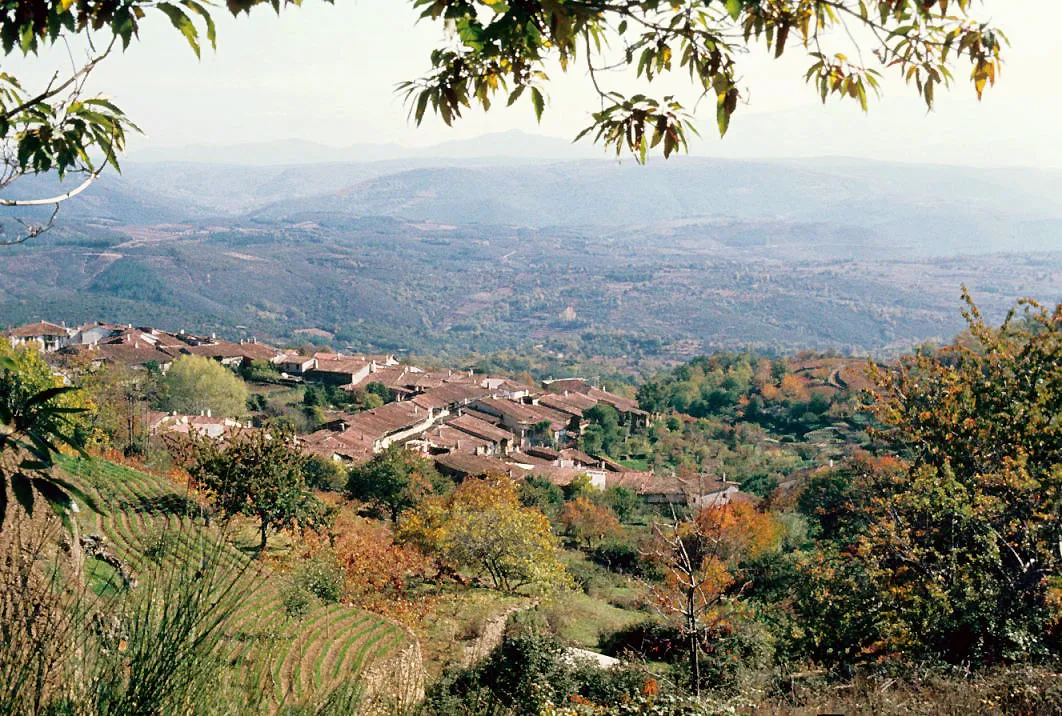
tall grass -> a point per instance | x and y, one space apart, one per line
153 649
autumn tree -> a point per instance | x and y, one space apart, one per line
587 522
256 473
395 480
377 571
482 527
194 385
966 548
698 557
505 49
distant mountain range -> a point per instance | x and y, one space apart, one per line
478 253
924 209
508 145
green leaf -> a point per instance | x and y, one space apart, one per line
212 31
722 116
734 7
183 23
538 102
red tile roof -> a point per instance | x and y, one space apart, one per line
476 465
481 428
41 328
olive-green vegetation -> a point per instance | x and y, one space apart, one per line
189 624
195 385
395 480
38 415
260 474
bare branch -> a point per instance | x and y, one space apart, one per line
54 199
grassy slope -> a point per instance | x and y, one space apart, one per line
286 659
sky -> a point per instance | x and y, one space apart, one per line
327 73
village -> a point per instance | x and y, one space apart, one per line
469 424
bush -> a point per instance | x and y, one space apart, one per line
321 576
327 475
525 674
622 558
649 640
297 602
160 545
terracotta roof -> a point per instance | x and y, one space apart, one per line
561 403
645 483
385 420
258 351
444 436
449 395
562 384
533 461
41 328
482 417
476 465
624 405
543 453
341 365
221 349
648 483
525 414
390 376
560 476
579 457
327 443
481 428
133 353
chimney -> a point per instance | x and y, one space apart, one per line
213 336
208 413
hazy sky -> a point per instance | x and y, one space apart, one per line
327 73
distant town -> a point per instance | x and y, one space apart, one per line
470 424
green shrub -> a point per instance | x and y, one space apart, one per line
160 544
297 601
622 558
648 640
321 576
524 675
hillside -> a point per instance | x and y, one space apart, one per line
459 255
287 660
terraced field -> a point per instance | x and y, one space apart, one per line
145 517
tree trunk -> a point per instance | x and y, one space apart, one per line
691 627
263 530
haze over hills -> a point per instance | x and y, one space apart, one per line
509 145
484 253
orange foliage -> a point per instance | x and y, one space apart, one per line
794 387
587 522
699 556
378 572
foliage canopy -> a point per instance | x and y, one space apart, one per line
504 48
